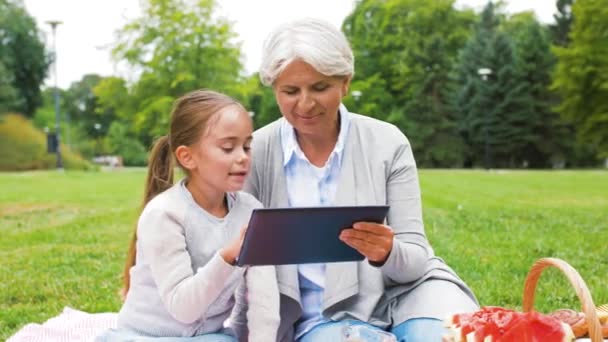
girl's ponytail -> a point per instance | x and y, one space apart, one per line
160 178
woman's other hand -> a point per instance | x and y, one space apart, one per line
231 251
373 240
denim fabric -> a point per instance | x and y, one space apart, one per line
413 330
348 330
420 330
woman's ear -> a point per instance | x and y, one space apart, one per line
183 154
346 85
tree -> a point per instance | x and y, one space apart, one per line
536 62
404 51
581 75
563 21
176 46
259 99
490 97
81 104
8 94
23 59
122 142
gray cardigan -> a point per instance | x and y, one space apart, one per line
378 167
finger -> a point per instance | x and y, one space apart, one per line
371 252
375 239
242 232
375 245
373 227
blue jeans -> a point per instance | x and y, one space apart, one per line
116 335
413 330
419 330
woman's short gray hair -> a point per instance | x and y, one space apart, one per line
313 41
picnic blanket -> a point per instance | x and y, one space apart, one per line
74 325
69 325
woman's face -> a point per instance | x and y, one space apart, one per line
309 100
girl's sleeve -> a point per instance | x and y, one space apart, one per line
186 294
263 316
256 317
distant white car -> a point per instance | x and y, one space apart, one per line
112 161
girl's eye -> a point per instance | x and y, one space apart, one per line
246 148
290 92
227 149
321 87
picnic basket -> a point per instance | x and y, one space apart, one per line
587 305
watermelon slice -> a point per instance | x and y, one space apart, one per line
495 324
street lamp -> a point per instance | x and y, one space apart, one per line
54 24
356 94
487 160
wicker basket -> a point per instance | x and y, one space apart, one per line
595 329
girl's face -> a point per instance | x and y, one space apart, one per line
309 100
221 158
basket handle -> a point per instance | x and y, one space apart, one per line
595 328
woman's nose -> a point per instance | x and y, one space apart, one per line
305 103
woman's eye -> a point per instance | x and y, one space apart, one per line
227 149
290 92
246 148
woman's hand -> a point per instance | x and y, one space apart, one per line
231 251
373 240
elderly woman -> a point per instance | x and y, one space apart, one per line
320 154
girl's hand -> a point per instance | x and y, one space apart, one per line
231 251
373 240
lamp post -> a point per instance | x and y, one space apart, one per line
54 24
356 94
487 159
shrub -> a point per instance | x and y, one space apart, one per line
23 147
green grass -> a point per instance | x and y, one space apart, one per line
64 236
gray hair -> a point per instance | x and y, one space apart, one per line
313 41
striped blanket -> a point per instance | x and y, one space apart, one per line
70 325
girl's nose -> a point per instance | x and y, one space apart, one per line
243 156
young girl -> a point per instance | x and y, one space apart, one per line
180 277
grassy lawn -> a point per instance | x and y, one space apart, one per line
64 236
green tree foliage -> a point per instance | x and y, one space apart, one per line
80 103
120 141
404 51
581 76
176 46
563 21
549 145
23 60
8 94
258 99
495 109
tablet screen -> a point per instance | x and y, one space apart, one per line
280 236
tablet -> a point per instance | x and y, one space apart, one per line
280 236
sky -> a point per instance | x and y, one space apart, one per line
88 27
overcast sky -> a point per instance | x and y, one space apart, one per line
89 25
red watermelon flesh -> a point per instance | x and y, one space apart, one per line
504 325
536 328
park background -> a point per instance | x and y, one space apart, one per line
507 116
